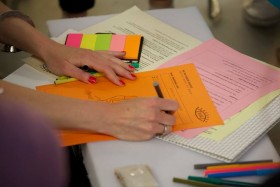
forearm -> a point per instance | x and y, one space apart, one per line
16 32
19 33
134 119
65 113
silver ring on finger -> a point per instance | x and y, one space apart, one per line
165 130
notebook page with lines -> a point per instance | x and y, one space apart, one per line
231 148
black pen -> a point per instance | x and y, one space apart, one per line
158 90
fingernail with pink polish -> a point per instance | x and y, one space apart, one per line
122 82
133 75
92 80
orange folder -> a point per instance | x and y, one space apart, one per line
74 137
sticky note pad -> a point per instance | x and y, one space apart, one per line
130 43
74 40
131 47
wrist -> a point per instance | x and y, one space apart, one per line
48 50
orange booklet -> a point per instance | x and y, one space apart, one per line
181 83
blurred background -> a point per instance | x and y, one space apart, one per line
229 27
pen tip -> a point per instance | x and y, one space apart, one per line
155 83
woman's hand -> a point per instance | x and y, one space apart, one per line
64 60
133 119
138 119
61 59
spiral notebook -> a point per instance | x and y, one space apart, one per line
231 148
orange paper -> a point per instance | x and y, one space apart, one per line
73 137
181 83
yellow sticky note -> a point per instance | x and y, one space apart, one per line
88 41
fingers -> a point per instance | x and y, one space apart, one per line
166 119
64 60
168 105
118 54
80 74
140 118
117 70
165 124
158 122
106 62
166 130
110 64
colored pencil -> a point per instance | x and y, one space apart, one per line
205 165
222 182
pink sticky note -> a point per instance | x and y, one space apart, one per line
117 42
74 40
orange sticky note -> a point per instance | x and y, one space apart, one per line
181 83
132 47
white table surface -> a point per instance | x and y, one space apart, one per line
166 160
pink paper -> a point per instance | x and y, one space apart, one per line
233 80
191 133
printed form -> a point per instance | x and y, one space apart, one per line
161 41
233 80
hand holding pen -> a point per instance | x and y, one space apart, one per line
141 118
166 128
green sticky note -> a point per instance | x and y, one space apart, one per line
103 41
